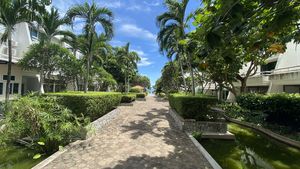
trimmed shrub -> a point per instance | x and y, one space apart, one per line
41 120
128 98
137 89
282 109
140 95
193 107
251 101
91 104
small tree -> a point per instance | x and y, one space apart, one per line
55 59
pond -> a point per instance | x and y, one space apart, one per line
15 157
252 150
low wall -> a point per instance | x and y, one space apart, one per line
191 125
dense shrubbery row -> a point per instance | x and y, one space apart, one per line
282 109
140 95
193 107
41 120
92 105
128 98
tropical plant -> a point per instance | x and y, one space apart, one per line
128 63
12 12
51 58
231 34
92 15
172 24
50 23
36 120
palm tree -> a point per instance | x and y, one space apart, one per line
92 15
12 12
128 63
50 23
172 24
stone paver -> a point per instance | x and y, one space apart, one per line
142 136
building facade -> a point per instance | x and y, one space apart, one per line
21 81
281 73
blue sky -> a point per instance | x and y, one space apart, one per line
134 22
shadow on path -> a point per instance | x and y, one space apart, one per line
159 124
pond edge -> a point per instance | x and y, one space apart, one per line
265 131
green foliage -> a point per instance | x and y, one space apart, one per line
91 104
140 95
137 89
41 120
282 109
193 107
197 135
128 98
251 101
139 80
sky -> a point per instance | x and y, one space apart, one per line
134 22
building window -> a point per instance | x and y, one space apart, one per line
268 67
5 77
34 33
1 88
16 88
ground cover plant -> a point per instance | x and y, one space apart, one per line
40 123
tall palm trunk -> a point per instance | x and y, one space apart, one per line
182 74
192 75
86 79
8 67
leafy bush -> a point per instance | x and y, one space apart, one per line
140 95
282 109
91 104
251 101
237 112
137 89
128 98
193 107
41 120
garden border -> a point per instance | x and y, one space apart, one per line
202 150
265 131
97 125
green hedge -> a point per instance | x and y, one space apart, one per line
283 109
140 95
91 104
193 107
128 98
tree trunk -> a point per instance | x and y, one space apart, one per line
86 81
243 85
125 84
182 74
128 85
192 75
8 68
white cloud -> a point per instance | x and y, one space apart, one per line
111 4
136 7
144 62
152 3
144 59
137 32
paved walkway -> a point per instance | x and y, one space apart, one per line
141 137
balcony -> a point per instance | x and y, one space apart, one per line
4 51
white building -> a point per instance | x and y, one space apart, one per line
22 81
280 74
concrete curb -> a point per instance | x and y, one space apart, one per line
202 150
97 125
